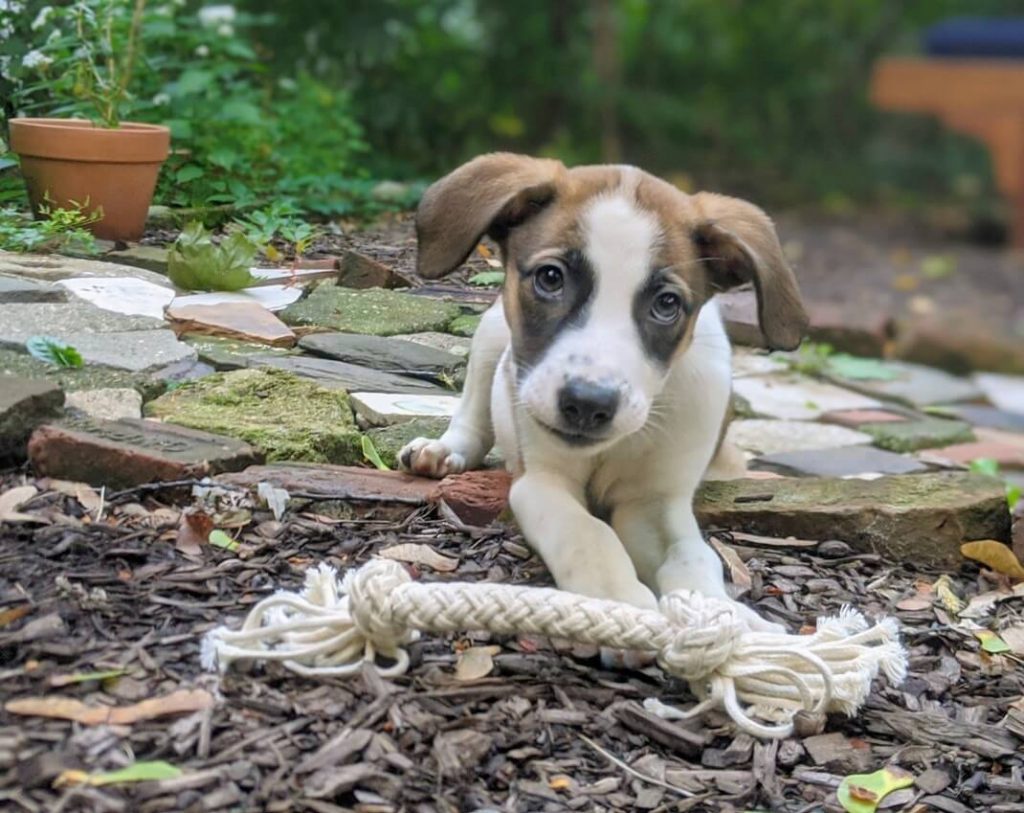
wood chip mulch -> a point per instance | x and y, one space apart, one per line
545 730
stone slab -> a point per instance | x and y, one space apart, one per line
344 376
154 352
915 385
853 418
244 321
342 483
987 417
917 433
374 311
283 415
231 354
21 290
383 353
54 267
152 258
18 323
125 453
1004 391
794 397
359 271
107 404
921 519
769 436
1006 448
849 461
456 345
274 298
24 404
465 325
748 362
88 377
383 408
127 295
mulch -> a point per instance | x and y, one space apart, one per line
545 730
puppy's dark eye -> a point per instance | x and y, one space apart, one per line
548 280
667 307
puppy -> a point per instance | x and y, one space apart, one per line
603 372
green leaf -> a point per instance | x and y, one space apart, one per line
84 677
857 368
53 351
137 772
370 453
189 172
991 642
938 266
195 262
222 540
488 278
861 793
985 465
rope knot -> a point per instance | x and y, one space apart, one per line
703 634
370 590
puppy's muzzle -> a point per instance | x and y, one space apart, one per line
587 408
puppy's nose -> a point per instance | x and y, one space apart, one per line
586 406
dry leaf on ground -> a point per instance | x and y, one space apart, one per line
996 556
739 574
70 708
416 554
193 531
12 499
862 793
476 662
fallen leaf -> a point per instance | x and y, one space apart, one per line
905 282
83 492
193 530
12 614
488 278
991 642
1014 638
12 499
370 453
860 369
484 251
81 677
739 574
950 600
861 793
275 498
475 662
560 782
417 554
938 266
914 603
136 772
69 708
222 540
996 556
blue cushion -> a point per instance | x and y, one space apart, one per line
977 37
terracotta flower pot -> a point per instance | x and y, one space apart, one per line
71 161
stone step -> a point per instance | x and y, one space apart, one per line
385 354
918 518
349 377
24 404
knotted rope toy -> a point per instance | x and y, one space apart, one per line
333 627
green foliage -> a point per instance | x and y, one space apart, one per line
278 222
53 351
57 230
196 263
990 467
820 358
488 278
371 454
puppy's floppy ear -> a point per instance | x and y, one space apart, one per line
740 244
489 195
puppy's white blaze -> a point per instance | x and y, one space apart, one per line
619 241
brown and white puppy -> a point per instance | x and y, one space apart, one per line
604 370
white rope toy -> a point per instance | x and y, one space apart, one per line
333 628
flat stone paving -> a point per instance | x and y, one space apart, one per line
391 351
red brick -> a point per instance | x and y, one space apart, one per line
345 483
853 418
125 453
477 497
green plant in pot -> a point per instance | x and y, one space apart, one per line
87 53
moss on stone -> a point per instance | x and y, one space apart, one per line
285 416
373 312
465 325
71 379
231 354
918 433
389 440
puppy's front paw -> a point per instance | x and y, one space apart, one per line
431 458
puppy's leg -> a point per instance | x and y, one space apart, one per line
582 553
691 564
470 435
